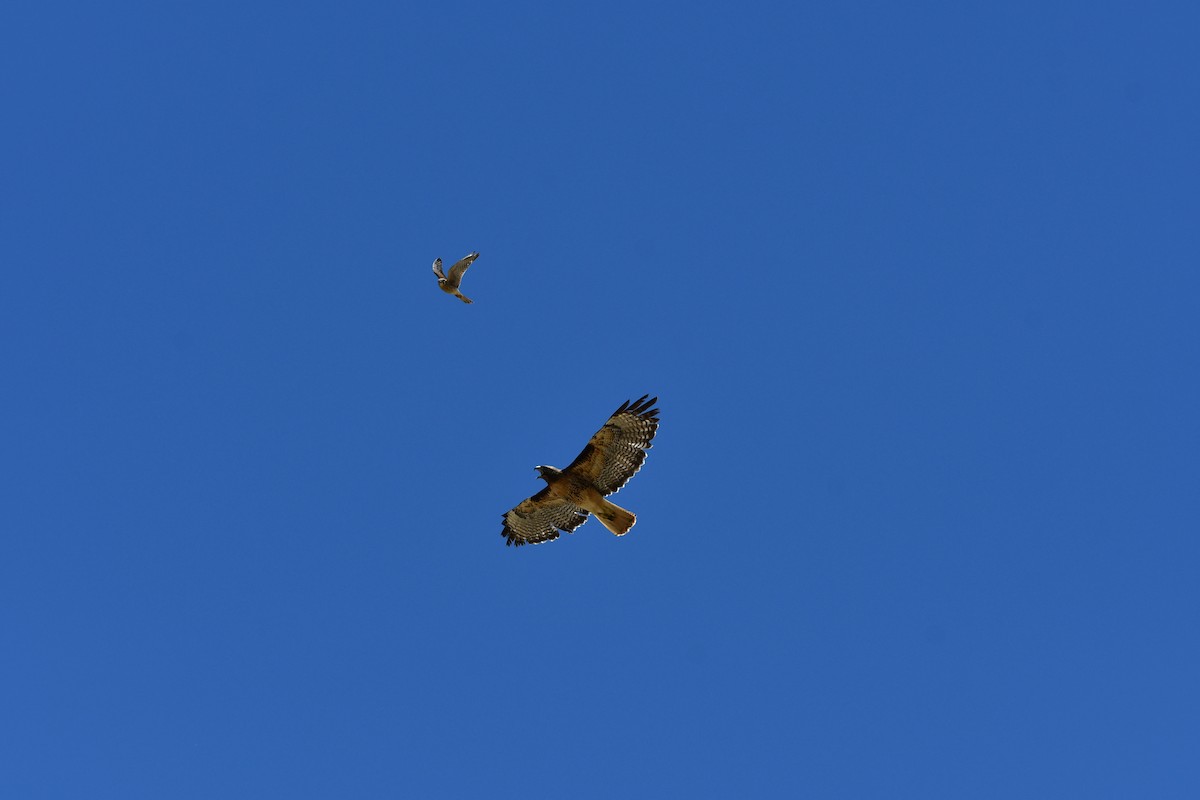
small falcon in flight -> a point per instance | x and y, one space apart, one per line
450 284
610 459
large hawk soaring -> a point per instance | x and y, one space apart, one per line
610 459
450 283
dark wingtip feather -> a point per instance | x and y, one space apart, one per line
642 407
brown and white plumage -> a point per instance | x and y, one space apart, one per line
450 283
609 460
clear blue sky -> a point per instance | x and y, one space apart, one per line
917 286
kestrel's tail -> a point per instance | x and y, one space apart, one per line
464 298
615 518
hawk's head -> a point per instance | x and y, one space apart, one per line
547 473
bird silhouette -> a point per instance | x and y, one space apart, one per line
450 283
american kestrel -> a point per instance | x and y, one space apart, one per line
449 284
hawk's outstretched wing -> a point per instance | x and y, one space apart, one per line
618 450
460 267
539 519
437 268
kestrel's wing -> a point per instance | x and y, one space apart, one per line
618 450
456 272
437 268
539 519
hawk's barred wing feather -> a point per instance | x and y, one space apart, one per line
539 519
618 449
460 266
437 268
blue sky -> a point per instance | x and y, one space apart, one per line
916 285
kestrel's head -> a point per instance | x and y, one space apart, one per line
547 473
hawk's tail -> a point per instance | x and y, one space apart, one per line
615 518
463 297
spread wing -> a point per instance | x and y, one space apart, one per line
618 450
539 519
456 272
437 268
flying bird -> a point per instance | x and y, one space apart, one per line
610 459
449 284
